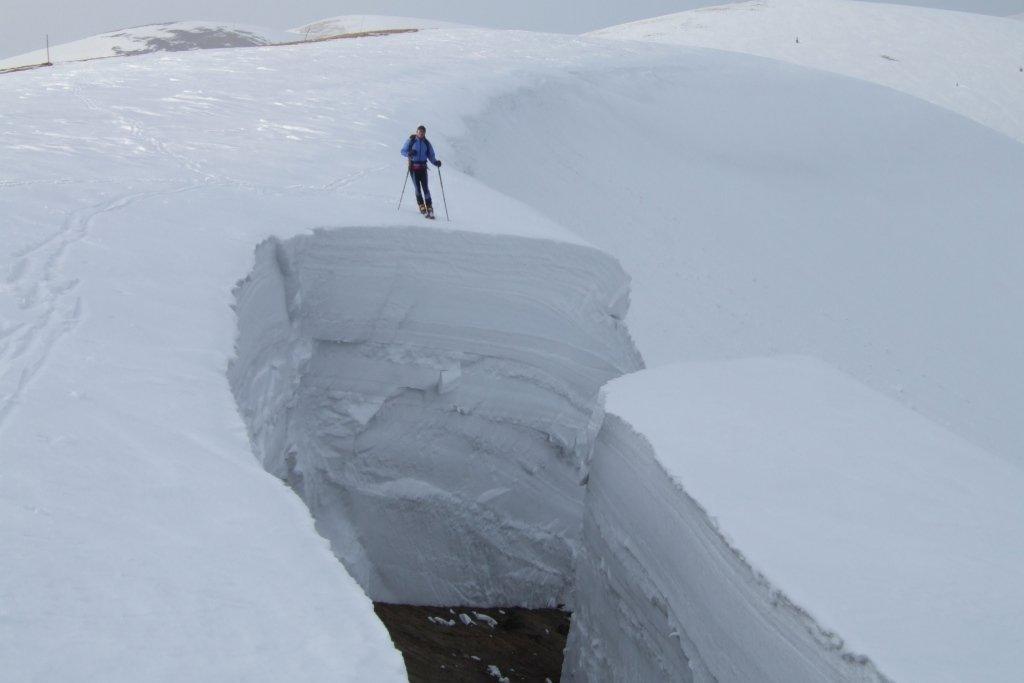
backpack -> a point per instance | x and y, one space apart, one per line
418 166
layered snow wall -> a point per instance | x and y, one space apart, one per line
662 596
774 520
432 396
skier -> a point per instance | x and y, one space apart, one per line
419 151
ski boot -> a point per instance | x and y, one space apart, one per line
423 209
430 212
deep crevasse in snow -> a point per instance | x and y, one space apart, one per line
775 520
662 596
432 396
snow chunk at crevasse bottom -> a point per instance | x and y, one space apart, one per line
432 396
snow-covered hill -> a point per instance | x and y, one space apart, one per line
823 216
760 208
167 37
363 23
968 63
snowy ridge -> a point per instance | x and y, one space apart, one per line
362 23
433 397
773 520
969 63
175 36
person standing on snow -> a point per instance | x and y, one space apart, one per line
419 151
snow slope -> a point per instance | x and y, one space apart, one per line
135 192
816 215
774 520
361 23
968 63
167 37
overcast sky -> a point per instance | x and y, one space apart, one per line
23 23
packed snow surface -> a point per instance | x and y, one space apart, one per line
441 386
774 520
362 23
168 37
969 63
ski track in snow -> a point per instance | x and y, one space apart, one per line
48 302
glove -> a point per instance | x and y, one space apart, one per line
438 163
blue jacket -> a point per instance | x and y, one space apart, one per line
419 151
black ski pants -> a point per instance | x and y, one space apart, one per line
419 181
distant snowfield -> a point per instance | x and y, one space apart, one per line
760 208
361 23
170 37
969 63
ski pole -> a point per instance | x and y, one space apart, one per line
443 198
401 196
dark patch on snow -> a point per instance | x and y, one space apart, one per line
179 40
440 646
27 67
360 34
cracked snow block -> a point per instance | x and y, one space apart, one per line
435 401
448 380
